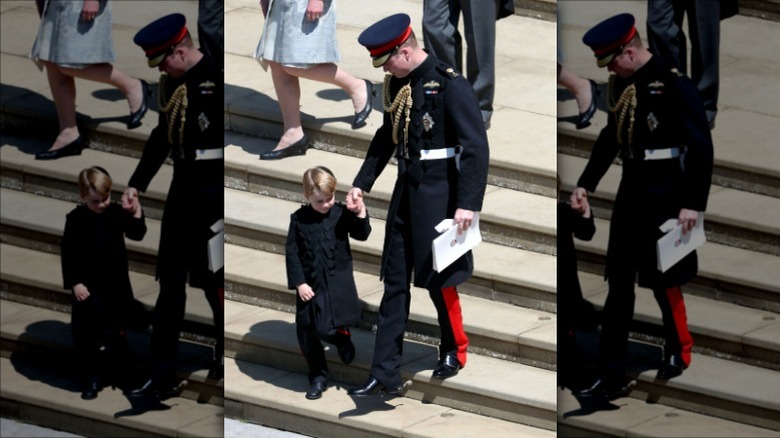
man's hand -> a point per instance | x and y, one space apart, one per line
579 199
463 219
305 292
687 219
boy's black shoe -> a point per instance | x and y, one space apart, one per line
315 390
607 390
91 391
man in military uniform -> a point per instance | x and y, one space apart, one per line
433 127
658 127
190 131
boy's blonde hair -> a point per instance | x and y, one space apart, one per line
94 178
319 178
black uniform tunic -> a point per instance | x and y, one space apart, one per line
195 199
668 114
445 113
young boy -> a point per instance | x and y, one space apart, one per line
319 268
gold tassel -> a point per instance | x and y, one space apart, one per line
401 105
626 104
175 107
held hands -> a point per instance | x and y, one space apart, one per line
81 292
355 202
688 219
305 292
130 202
579 200
583 207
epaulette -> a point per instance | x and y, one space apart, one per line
677 72
447 71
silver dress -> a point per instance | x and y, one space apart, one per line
291 40
68 41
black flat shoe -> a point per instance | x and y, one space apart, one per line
360 118
315 390
73 148
297 148
671 367
448 367
136 117
607 390
583 121
373 386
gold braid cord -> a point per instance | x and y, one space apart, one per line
175 107
625 105
401 105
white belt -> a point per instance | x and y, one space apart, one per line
661 154
209 154
437 154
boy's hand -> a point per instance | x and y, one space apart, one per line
81 292
305 292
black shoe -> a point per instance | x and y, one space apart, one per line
162 391
297 148
315 390
360 118
346 349
73 148
606 390
583 121
136 117
448 367
372 386
671 367
91 391
217 369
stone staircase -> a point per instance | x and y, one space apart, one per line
508 387
732 305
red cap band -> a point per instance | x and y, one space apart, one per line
607 50
168 44
384 48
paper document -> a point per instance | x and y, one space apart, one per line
216 248
450 245
673 246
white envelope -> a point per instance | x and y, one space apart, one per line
673 246
450 245
216 247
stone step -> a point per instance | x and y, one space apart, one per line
59 178
733 217
501 273
494 329
40 394
486 386
751 336
717 387
35 278
274 397
729 274
509 217
23 224
37 338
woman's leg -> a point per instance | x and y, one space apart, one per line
332 74
105 73
288 92
63 91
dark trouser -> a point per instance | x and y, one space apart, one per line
314 353
100 338
394 310
666 38
618 314
442 38
168 317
